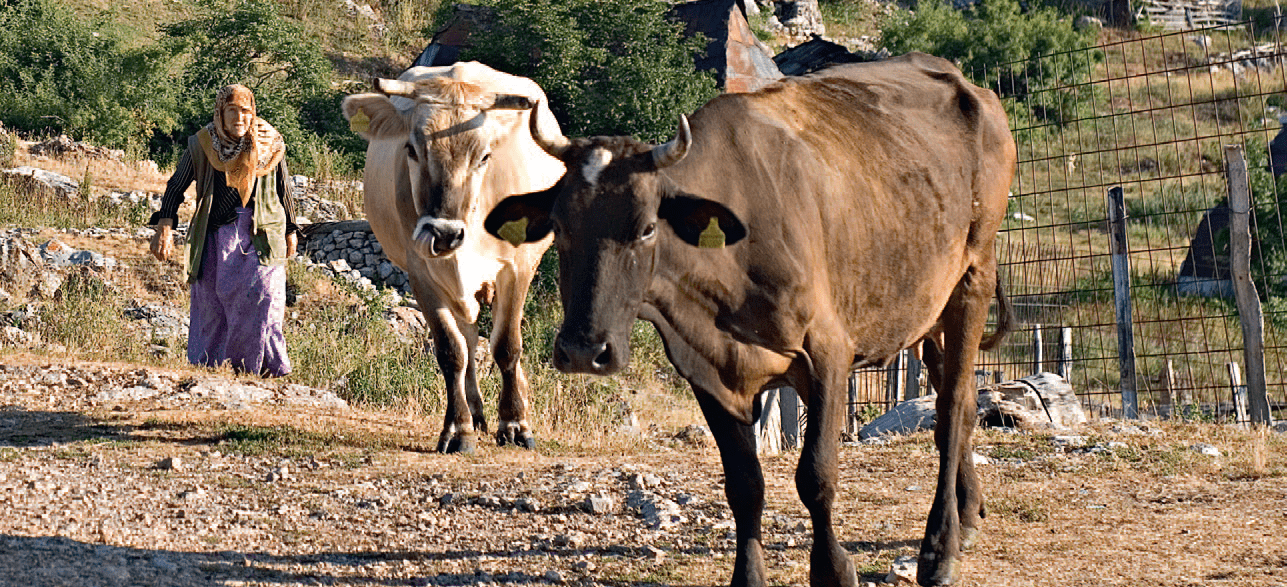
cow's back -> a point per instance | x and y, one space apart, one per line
862 187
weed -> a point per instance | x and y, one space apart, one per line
1024 509
8 455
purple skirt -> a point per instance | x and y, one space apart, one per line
238 305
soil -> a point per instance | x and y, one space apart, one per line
169 493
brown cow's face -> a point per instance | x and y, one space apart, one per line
606 229
610 213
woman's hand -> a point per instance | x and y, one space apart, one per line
163 240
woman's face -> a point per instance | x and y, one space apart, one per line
237 120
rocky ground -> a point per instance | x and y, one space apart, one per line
121 475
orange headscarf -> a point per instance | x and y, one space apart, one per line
242 159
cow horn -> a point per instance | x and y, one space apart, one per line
511 102
555 146
671 152
393 87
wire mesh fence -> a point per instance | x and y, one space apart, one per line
1151 115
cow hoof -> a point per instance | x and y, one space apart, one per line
514 434
464 443
933 574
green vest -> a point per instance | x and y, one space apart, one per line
268 225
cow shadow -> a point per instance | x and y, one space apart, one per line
54 561
20 427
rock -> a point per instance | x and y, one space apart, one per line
906 417
553 576
527 504
903 571
656 554
696 435
46 285
1088 22
170 464
1206 449
599 504
661 513
17 337
54 183
1041 401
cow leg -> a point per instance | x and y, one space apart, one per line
970 506
479 419
743 486
816 475
957 499
507 350
452 350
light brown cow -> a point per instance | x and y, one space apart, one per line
791 234
446 144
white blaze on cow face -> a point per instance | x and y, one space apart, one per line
597 160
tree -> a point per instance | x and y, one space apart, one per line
249 42
608 68
61 73
1023 54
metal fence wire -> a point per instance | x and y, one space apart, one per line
1151 115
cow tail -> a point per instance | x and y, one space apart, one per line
1005 320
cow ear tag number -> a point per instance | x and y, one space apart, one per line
360 121
514 231
712 237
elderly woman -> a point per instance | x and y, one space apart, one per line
239 239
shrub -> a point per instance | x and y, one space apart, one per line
60 73
607 67
1024 54
250 43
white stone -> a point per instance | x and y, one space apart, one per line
903 571
1206 449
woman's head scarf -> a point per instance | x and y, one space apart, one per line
253 155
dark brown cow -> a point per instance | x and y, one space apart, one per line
822 223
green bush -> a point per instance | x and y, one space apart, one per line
1024 54
249 42
61 73
608 68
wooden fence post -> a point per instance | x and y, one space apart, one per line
1038 353
1244 290
1122 300
894 379
851 408
790 417
1065 353
912 389
1239 395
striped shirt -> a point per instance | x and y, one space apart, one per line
223 209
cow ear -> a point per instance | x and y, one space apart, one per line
524 218
701 222
374 117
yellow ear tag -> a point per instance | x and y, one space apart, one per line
514 231
360 121
712 237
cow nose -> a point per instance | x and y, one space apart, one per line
447 239
595 359
439 235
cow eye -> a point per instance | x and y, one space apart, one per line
411 152
486 157
648 231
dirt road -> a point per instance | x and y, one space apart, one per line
104 486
